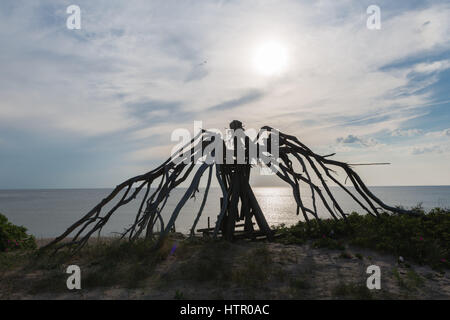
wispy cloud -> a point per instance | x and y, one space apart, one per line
435 66
438 134
429 150
249 97
406 133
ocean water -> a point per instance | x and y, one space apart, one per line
48 213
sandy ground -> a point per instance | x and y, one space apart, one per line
296 272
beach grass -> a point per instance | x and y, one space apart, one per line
424 239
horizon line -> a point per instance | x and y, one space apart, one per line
255 187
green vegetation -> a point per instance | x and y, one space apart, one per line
203 262
179 295
352 291
410 280
212 262
256 271
104 263
424 238
299 285
16 246
249 267
13 237
123 263
345 255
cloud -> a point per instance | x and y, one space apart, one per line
432 67
434 149
144 155
133 72
439 134
420 133
155 112
352 139
349 139
116 52
247 98
407 133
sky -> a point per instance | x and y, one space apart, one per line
92 107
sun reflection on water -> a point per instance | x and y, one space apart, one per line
278 204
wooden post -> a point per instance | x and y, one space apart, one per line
233 210
259 216
238 189
246 213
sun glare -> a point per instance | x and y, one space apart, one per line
270 59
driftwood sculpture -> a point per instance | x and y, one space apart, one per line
233 177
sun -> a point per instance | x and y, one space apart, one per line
270 59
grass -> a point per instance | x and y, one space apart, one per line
424 239
256 271
251 267
299 286
352 291
103 264
411 281
330 243
53 281
414 279
12 260
345 255
207 264
397 276
132 265
213 262
179 295
123 263
287 257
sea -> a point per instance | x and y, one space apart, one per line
47 213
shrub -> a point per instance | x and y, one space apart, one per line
352 291
14 237
424 238
179 295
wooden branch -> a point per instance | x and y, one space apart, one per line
233 179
